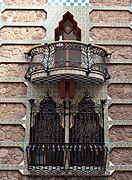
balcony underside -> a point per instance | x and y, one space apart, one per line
53 172
58 73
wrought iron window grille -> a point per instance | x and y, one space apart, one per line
67 140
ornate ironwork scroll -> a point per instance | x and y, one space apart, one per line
86 127
45 125
62 54
46 133
48 152
87 136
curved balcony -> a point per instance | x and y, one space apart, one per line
67 59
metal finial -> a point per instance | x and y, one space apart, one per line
87 93
47 92
31 101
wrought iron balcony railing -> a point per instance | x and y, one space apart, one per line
78 157
67 140
67 58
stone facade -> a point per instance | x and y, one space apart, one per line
110 16
24 3
11 155
120 53
112 34
11 175
121 156
23 33
13 90
24 23
124 71
120 111
13 133
121 133
121 175
23 16
121 91
12 111
110 2
15 51
13 70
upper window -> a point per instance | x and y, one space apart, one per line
68 29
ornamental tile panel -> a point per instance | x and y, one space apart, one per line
68 3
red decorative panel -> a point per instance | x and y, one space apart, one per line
71 96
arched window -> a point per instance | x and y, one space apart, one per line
68 29
46 133
87 135
86 127
66 54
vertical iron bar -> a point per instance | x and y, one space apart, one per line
69 102
28 156
39 155
64 116
31 101
43 154
46 64
64 102
85 124
87 51
34 124
102 108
